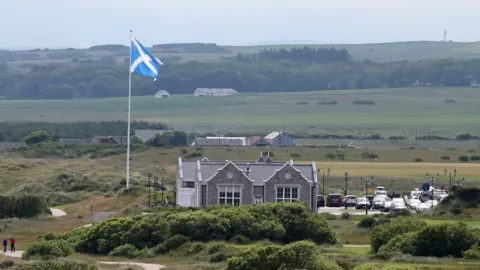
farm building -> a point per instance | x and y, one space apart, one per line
214 92
162 94
221 141
258 141
109 139
279 138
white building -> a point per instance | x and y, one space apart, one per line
279 138
214 92
221 141
162 94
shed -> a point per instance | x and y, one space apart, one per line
162 94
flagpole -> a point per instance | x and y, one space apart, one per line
129 111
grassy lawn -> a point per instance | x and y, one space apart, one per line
396 112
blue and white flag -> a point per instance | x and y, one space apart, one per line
143 62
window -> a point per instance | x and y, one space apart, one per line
230 195
287 194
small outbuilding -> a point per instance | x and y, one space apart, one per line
162 94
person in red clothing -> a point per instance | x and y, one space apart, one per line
12 245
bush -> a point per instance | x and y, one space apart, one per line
368 155
216 247
366 222
346 216
363 102
240 240
334 102
329 216
434 240
302 103
58 265
295 155
48 249
445 158
282 222
22 206
6 264
417 160
449 101
472 254
175 241
367 266
126 250
297 255
463 158
475 158
384 233
219 257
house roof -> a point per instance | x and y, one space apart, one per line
254 140
259 172
273 135
147 134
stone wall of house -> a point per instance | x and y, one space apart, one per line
280 179
238 178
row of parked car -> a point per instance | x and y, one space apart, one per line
382 200
424 200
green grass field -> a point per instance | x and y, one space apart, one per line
396 111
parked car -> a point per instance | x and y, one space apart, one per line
363 203
334 200
398 205
422 207
413 203
378 202
320 201
386 205
349 200
425 196
431 203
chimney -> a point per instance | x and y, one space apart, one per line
247 170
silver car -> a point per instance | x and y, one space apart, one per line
398 206
378 202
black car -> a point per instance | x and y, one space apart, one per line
320 201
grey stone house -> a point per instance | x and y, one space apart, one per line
204 183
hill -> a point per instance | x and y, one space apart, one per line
380 52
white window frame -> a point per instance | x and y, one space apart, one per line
287 193
231 199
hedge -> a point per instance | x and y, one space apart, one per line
23 206
282 222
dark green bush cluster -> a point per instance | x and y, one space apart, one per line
297 255
58 265
363 102
6 264
473 253
367 222
283 222
418 239
48 249
23 206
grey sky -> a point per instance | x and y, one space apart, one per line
82 23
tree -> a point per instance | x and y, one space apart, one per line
38 137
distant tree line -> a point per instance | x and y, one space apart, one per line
190 48
95 81
16 131
307 54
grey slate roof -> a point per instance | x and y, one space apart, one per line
258 171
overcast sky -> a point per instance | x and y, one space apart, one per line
83 23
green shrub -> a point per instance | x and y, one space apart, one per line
48 249
475 158
192 248
6 264
219 257
463 158
216 247
417 159
296 255
126 250
403 243
328 216
367 155
445 158
473 253
367 266
363 102
22 206
160 249
240 240
384 233
346 216
58 265
366 222
175 241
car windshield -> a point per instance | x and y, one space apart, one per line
335 196
351 197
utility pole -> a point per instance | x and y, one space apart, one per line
366 190
323 185
416 138
346 186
